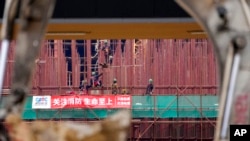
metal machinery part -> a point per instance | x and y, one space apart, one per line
33 19
227 23
6 35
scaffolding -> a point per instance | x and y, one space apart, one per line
182 69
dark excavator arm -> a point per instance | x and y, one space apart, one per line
32 21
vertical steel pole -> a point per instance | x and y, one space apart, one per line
235 68
88 49
10 11
3 59
74 64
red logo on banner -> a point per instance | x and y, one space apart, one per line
77 101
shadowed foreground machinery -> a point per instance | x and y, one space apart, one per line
226 21
113 128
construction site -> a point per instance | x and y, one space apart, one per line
184 102
155 70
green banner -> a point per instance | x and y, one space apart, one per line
165 106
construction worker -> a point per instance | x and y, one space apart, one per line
107 52
94 81
114 86
83 86
150 87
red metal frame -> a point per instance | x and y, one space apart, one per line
177 66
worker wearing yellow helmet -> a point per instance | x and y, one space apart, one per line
150 87
114 86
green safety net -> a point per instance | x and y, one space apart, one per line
165 106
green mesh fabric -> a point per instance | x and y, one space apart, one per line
167 106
